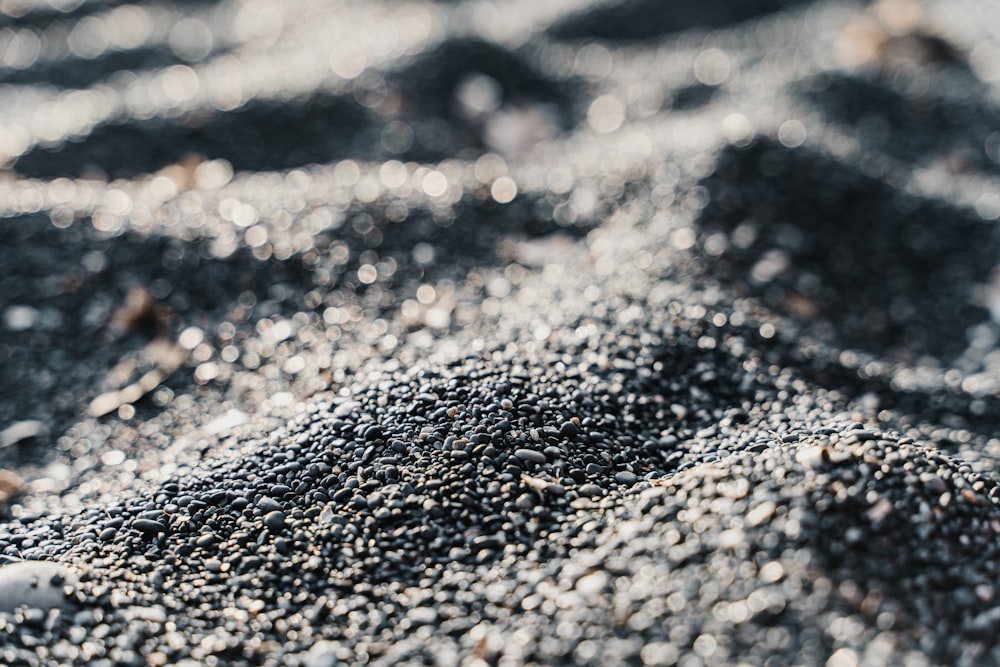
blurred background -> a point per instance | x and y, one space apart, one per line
211 209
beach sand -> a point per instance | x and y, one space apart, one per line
523 333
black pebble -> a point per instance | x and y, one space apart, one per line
268 504
149 526
530 455
569 430
275 520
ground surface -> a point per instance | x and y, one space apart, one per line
464 333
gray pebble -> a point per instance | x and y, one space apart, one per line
626 477
36 584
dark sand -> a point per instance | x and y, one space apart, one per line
528 333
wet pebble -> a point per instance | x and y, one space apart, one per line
275 521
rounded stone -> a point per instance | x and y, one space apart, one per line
268 504
37 584
530 455
149 526
626 477
275 520
206 541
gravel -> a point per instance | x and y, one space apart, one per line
459 334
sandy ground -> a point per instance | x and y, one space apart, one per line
462 333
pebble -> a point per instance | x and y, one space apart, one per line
267 504
36 584
275 521
422 615
626 477
149 526
153 614
207 540
518 377
569 430
22 430
530 455
322 654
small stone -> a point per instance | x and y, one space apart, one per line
149 526
322 654
37 584
275 521
268 504
206 541
153 614
422 615
552 452
626 477
525 501
530 455
22 430
593 584
345 409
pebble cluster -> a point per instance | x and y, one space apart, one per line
543 334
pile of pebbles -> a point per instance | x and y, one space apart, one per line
550 335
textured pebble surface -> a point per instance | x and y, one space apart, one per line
495 334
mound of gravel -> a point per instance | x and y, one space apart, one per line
541 333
